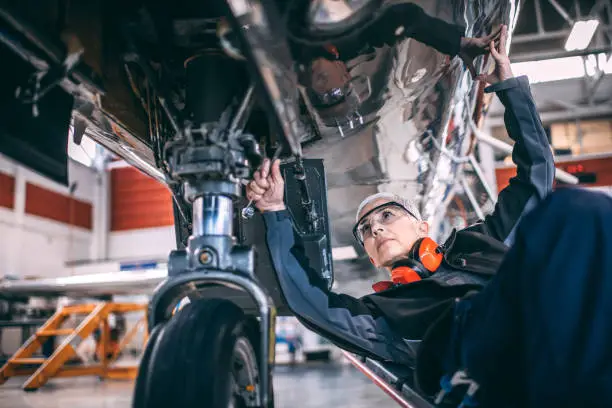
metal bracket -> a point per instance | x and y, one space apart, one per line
271 62
483 180
41 82
561 11
470 195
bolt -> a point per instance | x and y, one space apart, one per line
248 211
205 257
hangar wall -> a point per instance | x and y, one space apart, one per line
141 220
582 148
65 232
45 225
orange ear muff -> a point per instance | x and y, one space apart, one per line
429 254
423 259
404 275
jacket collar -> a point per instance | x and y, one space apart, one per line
382 286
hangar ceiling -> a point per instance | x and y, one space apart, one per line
541 33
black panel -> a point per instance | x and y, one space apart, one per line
317 243
316 236
39 143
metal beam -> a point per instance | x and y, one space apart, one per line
561 11
577 9
564 115
538 13
502 146
470 195
550 35
592 87
563 104
483 180
544 55
599 4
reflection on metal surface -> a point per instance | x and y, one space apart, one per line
212 215
384 385
482 179
270 52
414 120
328 14
115 138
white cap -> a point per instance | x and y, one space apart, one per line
409 205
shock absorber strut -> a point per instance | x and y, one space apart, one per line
209 157
214 81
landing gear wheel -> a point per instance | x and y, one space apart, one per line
201 358
143 367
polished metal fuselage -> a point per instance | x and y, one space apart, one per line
405 132
414 103
409 135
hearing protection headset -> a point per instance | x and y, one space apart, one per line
424 258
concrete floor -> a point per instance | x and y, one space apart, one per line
326 385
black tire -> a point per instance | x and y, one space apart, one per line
143 368
197 360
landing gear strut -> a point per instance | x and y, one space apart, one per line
210 353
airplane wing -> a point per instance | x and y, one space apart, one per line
90 285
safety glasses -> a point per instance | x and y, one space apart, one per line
383 214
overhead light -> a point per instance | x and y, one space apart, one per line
555 69
581 35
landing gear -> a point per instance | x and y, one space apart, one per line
203 357
217 350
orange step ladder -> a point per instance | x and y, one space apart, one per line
53 366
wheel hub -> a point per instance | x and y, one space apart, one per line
244 378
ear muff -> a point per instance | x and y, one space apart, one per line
423 259
430 254
407 271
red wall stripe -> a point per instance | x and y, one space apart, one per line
58 207
601 167
7 190
138 201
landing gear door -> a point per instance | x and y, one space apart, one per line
306 201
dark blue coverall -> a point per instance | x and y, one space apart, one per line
540 333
